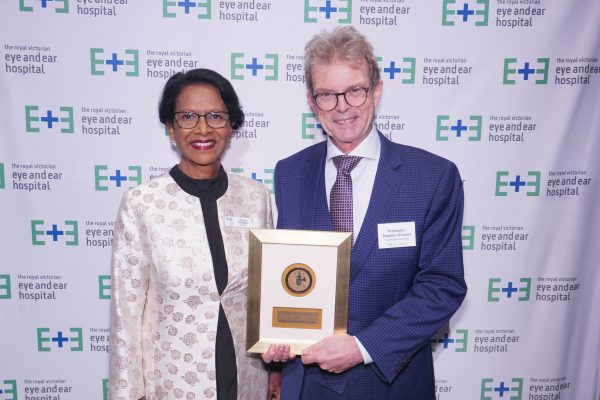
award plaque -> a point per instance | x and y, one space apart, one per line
297 287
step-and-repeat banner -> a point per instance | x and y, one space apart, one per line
507 89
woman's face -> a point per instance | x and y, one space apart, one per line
201 147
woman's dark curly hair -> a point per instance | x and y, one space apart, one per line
201 76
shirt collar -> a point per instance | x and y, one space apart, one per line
369 148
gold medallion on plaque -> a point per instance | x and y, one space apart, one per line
298 279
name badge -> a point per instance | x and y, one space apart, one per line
396 234
237 222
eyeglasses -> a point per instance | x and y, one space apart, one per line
355 97
189 119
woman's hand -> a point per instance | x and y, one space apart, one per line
278 353
274 385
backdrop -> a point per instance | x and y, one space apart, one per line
507 89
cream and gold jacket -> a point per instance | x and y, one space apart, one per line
165 303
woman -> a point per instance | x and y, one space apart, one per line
178 308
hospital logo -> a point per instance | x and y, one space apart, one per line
456 342
5 287
526 71
59 340
266 67
59 6
112 62
265 177
471 12
402 70
339 11
105 178
59 120
105 389
468 237
459 128
195 9
311 128
519 291
529 184
8 389
104 287
67 233
492 389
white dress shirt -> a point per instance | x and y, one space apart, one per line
363 179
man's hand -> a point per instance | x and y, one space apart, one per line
277 353
334 353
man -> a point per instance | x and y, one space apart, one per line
405 211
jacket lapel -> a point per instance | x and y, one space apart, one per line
385 192
316 212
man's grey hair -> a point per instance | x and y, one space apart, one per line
343 43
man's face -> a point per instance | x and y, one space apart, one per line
346 125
